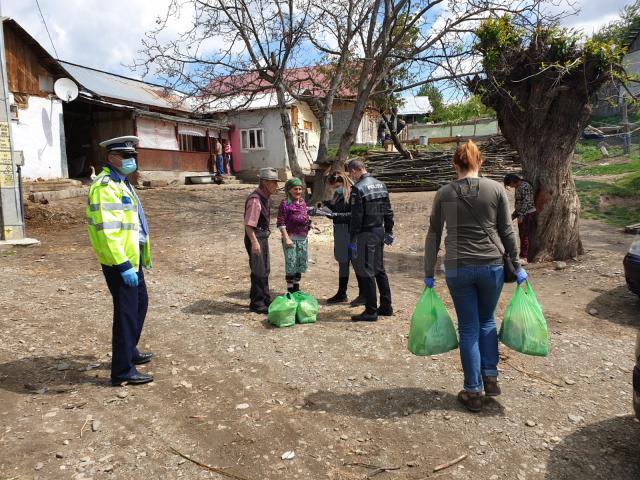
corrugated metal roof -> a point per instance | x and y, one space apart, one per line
242 103
415 106
117 87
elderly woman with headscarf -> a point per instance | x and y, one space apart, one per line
294 225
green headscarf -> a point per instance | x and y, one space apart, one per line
292 182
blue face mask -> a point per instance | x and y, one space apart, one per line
340 190
128 166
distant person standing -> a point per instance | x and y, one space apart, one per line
119 235
525 211
370 229
218 152
226 146
256 239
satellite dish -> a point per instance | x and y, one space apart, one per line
66 89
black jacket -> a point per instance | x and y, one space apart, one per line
341 209
370 206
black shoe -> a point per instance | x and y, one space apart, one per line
260 309
385 311
340 297
365 317
137 379
358 301
143 357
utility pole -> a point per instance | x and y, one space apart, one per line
11 215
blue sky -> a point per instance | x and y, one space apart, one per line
107 35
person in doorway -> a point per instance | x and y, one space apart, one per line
226 147
256 239
294 225
370 229
473 208
218 152
119 234
525 211
340 208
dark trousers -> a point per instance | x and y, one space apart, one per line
129 311
368 262
260 269
523 231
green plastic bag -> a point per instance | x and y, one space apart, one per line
432 330
282 311
524 328
307 311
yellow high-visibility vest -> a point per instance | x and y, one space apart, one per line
113 224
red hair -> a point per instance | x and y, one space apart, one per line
467 156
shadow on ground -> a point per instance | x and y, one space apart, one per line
215 307
49 375
605 450
392 402
618 305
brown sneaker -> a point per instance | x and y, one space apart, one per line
491 387
471 400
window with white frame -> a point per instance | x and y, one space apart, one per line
252 139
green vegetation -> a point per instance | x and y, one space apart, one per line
613 168
624 210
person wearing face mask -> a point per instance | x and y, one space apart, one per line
340 208
119 234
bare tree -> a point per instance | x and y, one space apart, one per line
441 50
261 40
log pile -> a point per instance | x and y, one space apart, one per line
431 170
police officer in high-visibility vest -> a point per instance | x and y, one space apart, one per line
119 235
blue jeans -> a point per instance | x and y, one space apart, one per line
220 165
475 291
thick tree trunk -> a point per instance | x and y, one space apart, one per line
556 234
289 141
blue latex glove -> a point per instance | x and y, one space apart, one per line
430 282
389 239
352 247
130 277
521 276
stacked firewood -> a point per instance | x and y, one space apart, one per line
431 170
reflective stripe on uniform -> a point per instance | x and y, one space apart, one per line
94 207
113 225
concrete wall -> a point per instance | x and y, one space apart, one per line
367 130
273 154
632 65
39 133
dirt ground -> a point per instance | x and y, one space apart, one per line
235 394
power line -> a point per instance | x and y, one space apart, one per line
47 29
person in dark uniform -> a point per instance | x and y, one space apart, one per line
340 208
370 229
256 239
119 234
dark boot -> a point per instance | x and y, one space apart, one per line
471 400
366 316
491 387
360 299
296 288
341 296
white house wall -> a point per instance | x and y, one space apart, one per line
306 158
274 152
38 133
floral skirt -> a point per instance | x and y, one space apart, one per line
295 258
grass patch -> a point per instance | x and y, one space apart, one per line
592 192
632 166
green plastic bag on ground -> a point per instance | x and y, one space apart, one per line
524 328
282 311
307 311
432 330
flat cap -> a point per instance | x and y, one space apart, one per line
268 174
